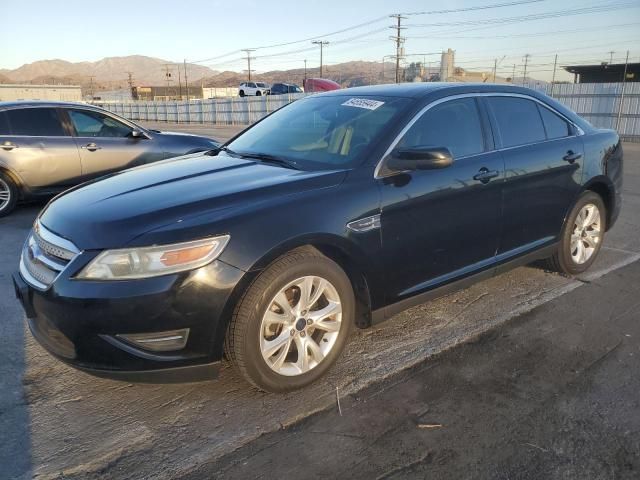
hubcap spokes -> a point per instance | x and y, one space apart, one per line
586 235
300 326
4 194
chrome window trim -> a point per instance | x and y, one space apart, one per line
426 108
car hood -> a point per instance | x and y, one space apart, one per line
113 211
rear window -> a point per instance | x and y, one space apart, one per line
35 122
518 120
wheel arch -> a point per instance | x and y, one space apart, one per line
17 181
603 186
343 252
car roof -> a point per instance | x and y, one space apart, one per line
422 89
44 103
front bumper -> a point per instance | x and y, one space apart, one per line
79 322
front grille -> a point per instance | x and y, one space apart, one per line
44 256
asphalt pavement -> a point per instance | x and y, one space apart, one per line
552 394
57 422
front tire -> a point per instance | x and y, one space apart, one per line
581 237
292 323
8 195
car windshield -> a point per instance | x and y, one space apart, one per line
321 132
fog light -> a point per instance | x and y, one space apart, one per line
158 341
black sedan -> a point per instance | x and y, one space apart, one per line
336 211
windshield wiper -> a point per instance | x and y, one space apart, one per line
215 151
265 157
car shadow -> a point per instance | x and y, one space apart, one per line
15 421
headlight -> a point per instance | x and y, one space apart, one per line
144 262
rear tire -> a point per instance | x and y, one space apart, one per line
582 236
8 194
272 324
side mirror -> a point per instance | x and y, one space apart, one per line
137 134
420 158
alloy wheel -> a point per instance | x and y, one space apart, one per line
300 326
5 194
587 233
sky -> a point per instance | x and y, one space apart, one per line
212 32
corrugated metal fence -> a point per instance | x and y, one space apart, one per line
216 111
599 103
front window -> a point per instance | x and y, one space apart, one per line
322 132
95 124
261 85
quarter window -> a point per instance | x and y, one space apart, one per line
454 124
555 126
35 122
95 124
518 120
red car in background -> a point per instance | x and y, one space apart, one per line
320 85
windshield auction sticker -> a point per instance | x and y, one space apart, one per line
363 103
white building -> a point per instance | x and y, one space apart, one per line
66 93
447 65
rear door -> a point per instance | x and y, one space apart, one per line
35 144
106 144
543 158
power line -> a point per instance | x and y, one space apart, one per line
479 7
530 17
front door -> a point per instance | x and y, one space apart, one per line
438 225
106 144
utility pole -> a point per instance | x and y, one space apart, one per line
513 73
167 75
553 78
248 52
526 61
611 56
186 81
322 43
399 40
179 83
624 84
305 71
91 77
495 67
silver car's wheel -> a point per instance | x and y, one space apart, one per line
5 194
586 234
301 325
8 195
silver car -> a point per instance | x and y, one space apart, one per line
47 147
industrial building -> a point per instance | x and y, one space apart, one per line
64 93
604 73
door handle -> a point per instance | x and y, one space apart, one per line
92 147
8 145
485 175
571 156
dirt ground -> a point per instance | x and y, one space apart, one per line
61 423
